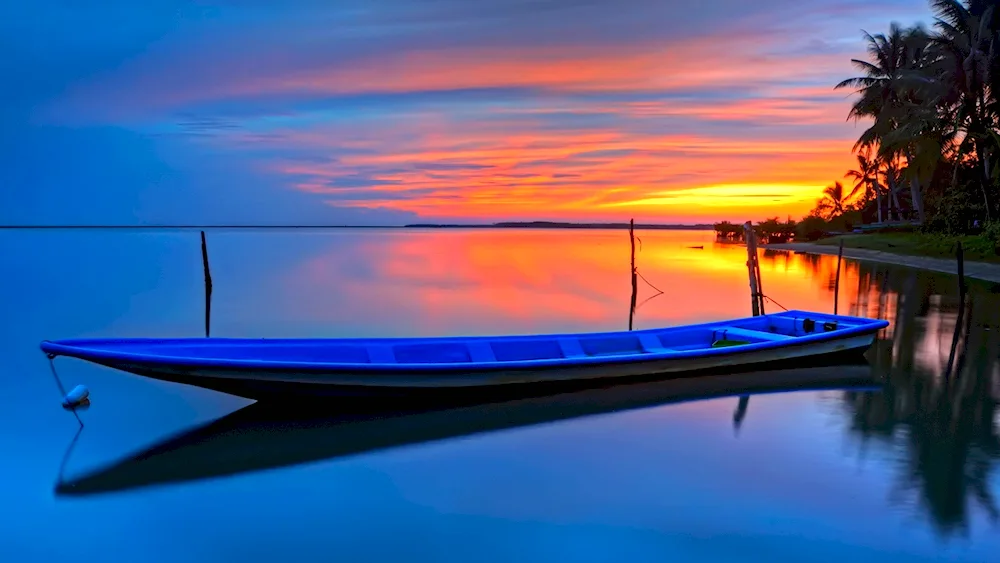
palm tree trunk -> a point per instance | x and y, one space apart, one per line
878 200
894 200
888 205
918 204
888 198
983 153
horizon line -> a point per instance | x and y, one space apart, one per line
498 224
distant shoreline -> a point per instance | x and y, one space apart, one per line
500 225
560 225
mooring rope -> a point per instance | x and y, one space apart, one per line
62 389
773 301
647 281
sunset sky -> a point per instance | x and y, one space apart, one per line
395 111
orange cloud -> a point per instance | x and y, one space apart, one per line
553 174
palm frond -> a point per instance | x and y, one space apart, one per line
854 192
951 12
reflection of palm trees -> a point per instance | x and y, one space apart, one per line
955 449
944 427
941 422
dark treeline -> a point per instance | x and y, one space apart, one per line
773 230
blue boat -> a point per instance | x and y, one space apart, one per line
273 368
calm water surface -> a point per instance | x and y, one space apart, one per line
904 473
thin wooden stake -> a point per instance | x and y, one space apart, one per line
635 286
208 285
836 282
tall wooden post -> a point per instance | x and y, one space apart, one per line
836 282
208 285
635 286
753 269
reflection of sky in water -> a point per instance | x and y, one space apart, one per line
671 482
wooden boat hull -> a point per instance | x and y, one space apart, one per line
270 374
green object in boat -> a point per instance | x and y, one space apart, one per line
726 342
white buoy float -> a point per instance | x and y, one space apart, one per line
78 397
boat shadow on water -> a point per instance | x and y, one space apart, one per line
266 436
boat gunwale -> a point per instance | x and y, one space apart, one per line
84 348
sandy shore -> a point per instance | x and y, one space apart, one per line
978 270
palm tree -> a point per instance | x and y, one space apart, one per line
866 176
897 94
933 98
919 134
879 86
969 44
834 201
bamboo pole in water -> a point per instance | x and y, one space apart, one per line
752 268
208 285
836 281
635 287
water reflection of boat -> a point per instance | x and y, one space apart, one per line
417 367
263 436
